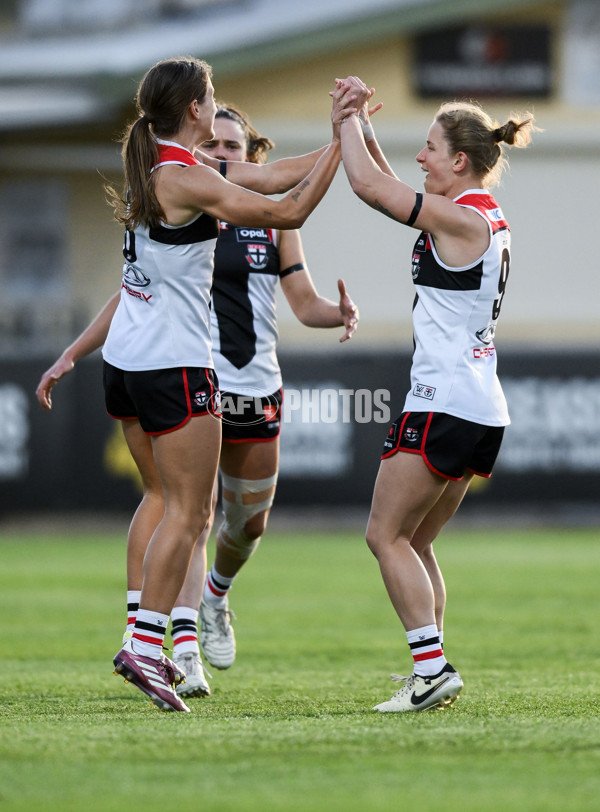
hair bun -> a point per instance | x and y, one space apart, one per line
498 134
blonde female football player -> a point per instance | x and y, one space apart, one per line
454 415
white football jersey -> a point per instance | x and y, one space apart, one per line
454 318
163 318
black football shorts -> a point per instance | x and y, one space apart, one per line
248 419
163 400
449 445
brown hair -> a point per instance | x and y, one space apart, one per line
163 96
469 129
257 145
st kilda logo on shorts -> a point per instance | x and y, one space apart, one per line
411 435
212 402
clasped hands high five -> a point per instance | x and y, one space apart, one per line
351 96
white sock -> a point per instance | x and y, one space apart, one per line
216 588
426 650
184 630
133 604
149 633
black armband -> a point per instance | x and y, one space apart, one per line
300 266
223 168
416 209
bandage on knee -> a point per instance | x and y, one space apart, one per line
242 500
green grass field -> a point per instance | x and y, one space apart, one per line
290 726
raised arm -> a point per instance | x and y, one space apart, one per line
430 212
89 340
308 306
183 191
272 178
366 123
369 181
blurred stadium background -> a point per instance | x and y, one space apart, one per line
68 75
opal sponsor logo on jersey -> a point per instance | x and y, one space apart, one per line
248 234
423 391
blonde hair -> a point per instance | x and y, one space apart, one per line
469 129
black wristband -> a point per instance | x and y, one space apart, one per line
223 168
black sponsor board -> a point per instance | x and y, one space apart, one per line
484 61
337 409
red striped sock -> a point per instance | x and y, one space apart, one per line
133 604
426 650
149 633
184 630
216 588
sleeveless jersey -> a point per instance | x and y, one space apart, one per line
243 316
454 317
163 317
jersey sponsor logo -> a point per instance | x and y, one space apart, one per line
495 215
423 391
247 234
486 336
133 276
257 256
421 244
484 352
137 294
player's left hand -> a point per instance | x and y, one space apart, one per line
50 378
349 312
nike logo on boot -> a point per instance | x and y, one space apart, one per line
418 699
